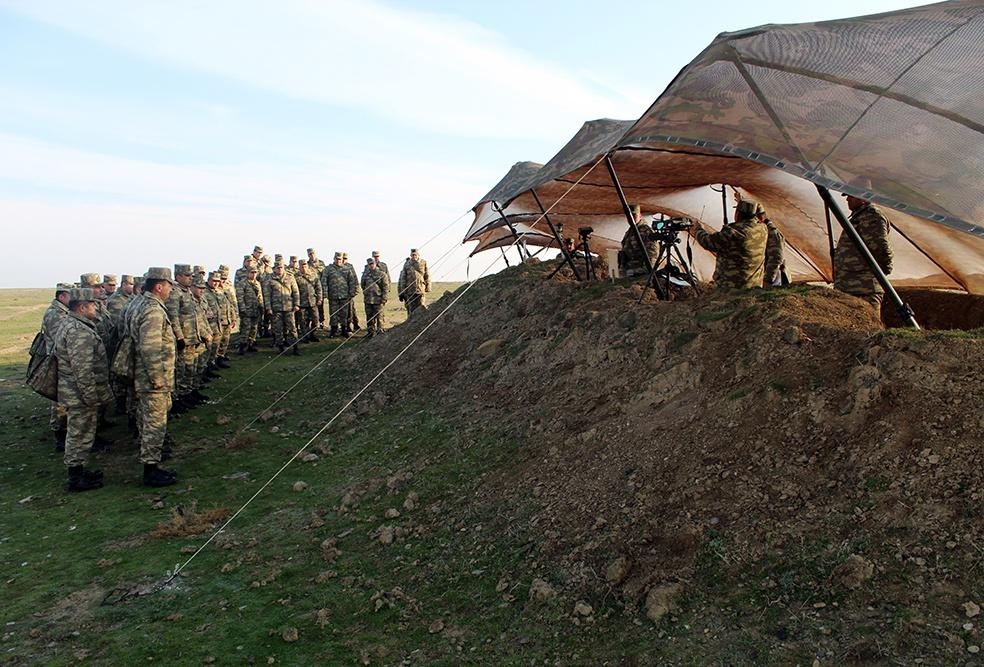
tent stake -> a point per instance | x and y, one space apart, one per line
905 312
632 225
568 259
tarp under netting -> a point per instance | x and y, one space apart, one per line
711 127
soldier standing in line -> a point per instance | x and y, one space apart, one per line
228 314
414 282
775 261
353 316
375 292
214 312
183 316
852 274
249 296
309 288
51 325
381 265
83 386
203 319
282 300
257 255
740 248
266 271
94 281
339 287
318 266
154 368
241 272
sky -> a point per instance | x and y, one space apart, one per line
137 133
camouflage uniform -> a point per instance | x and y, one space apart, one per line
281 298
183 312
375 292
203 320
225 297
154 372
851 272
52 322
309 288
339 286
83 384
318 266
413 284
740 250
381 315
213 314
249 296
775 262
633 255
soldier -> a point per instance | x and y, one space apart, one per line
282 300
51 325
154 371
115 305
214 310
381 265
94 281
309 288
248 263
852 274
249 295
633 259
775 262
83 386
353 315
740 248
339 286
266 271
118 298
204 320
183 315
318 266
414 282
375 292
228 314
257 255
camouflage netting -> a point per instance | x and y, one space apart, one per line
887 107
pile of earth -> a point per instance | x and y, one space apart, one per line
776 458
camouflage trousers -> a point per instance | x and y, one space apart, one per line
338 312
413 302
307 320
82 424
184 370
284 328
225 333
152 410
248 327
374 317
58 417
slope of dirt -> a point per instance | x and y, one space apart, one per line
774 464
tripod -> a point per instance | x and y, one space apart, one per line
586 251
673 266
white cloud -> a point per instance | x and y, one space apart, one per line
424 71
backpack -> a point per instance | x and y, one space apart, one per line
42 369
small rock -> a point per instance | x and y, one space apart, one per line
222 420
973 648
618 570
971 609
490 347
391 513
540 591
582 608
300 486
661 600
290 635
386 535
854 571
436 626
411 501
310 457
502 585
793 335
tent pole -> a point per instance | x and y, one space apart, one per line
628 215
519 242
503 251
560 242
830 239
905 312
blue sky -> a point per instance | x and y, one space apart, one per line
138 133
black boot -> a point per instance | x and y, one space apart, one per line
296 351
241 349
346 333
154 476
60 440
251 347
101 444
223 362
79 480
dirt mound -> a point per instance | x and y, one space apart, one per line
764 454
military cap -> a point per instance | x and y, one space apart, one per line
746 208
302 261
199 282
250 262
265 259
338 255
293 258
252 269
310 250
214 275
126 279
223 268
82 294
257 248
344 255
90 279
413 250
109 279
375 253
64 287
278 256
182 270
198 268
371 260
159 273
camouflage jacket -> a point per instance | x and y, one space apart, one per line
203 318
338 283
210 300
230 295
851 272
154 345
223 307
249 296
414 278
740 250
280 294
116 303
318 266
375 286
241 274
774 259
183 315
309 287
53 321
83 368
633 253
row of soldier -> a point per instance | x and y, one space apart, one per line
166 337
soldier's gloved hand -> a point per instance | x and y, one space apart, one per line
181 344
